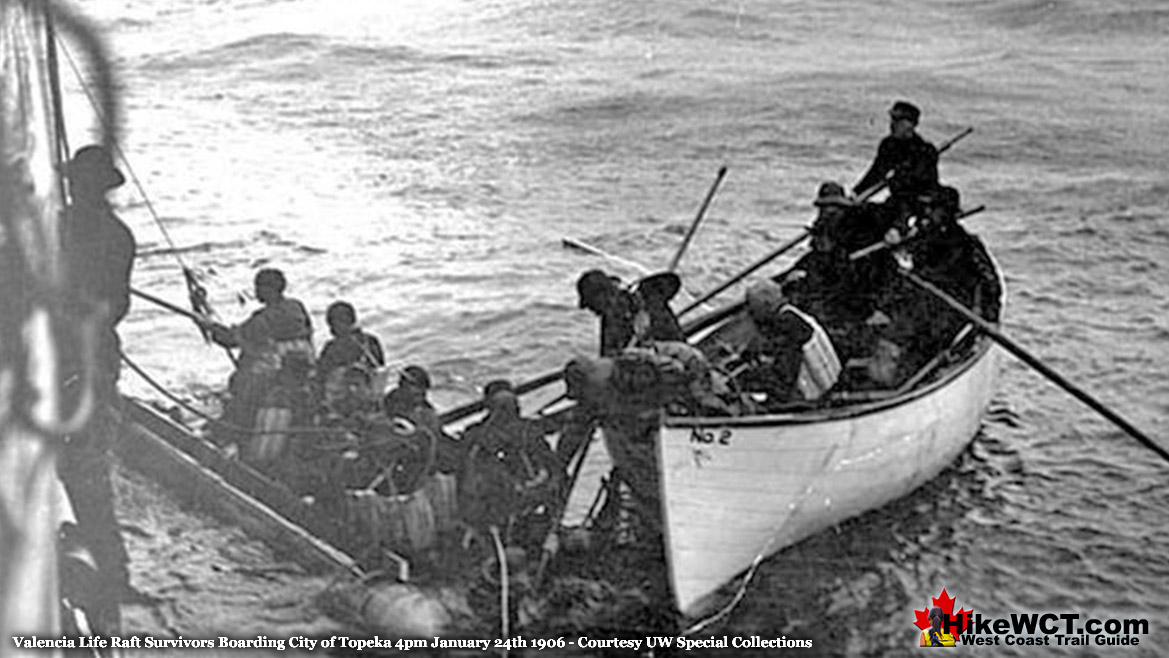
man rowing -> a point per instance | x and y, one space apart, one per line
942 252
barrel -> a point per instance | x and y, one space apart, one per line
401 523
442 490
271 423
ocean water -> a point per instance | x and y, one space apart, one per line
424 159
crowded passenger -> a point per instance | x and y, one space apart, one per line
349 362
409 401
275 361
839 292
511 476
655 320
791 357
940 251
603 295
350 344
630 317
98 251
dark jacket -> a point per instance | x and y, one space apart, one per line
354 348
913 161
617 328
99 255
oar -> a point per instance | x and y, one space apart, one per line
788 246
783 249
697 220
573 243
1012 347
175 308
597 251
545 554
200 320
878 246
872 191
471 408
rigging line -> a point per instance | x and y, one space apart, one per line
216 421
62 145
122 156
195 291
698 627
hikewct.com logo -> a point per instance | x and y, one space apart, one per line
942 627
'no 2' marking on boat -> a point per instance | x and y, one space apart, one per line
708 437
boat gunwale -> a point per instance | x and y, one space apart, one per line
845 411
835 413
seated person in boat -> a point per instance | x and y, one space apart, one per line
630 316
511 476
939 250
947 256
350 349
276 336
840 292
409 401
791 357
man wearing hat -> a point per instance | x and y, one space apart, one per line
616 307
98 250
630 317
793 355
909 162
510 473
410 401
825 282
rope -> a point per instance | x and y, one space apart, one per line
742 591
504 613
195 291
222 423
122 155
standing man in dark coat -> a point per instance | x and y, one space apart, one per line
909 162
602 294
99 255
631 317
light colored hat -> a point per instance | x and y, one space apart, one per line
764 299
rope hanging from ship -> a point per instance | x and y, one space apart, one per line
196 291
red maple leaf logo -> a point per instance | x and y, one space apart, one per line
946 603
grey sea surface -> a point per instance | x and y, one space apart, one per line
423 160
